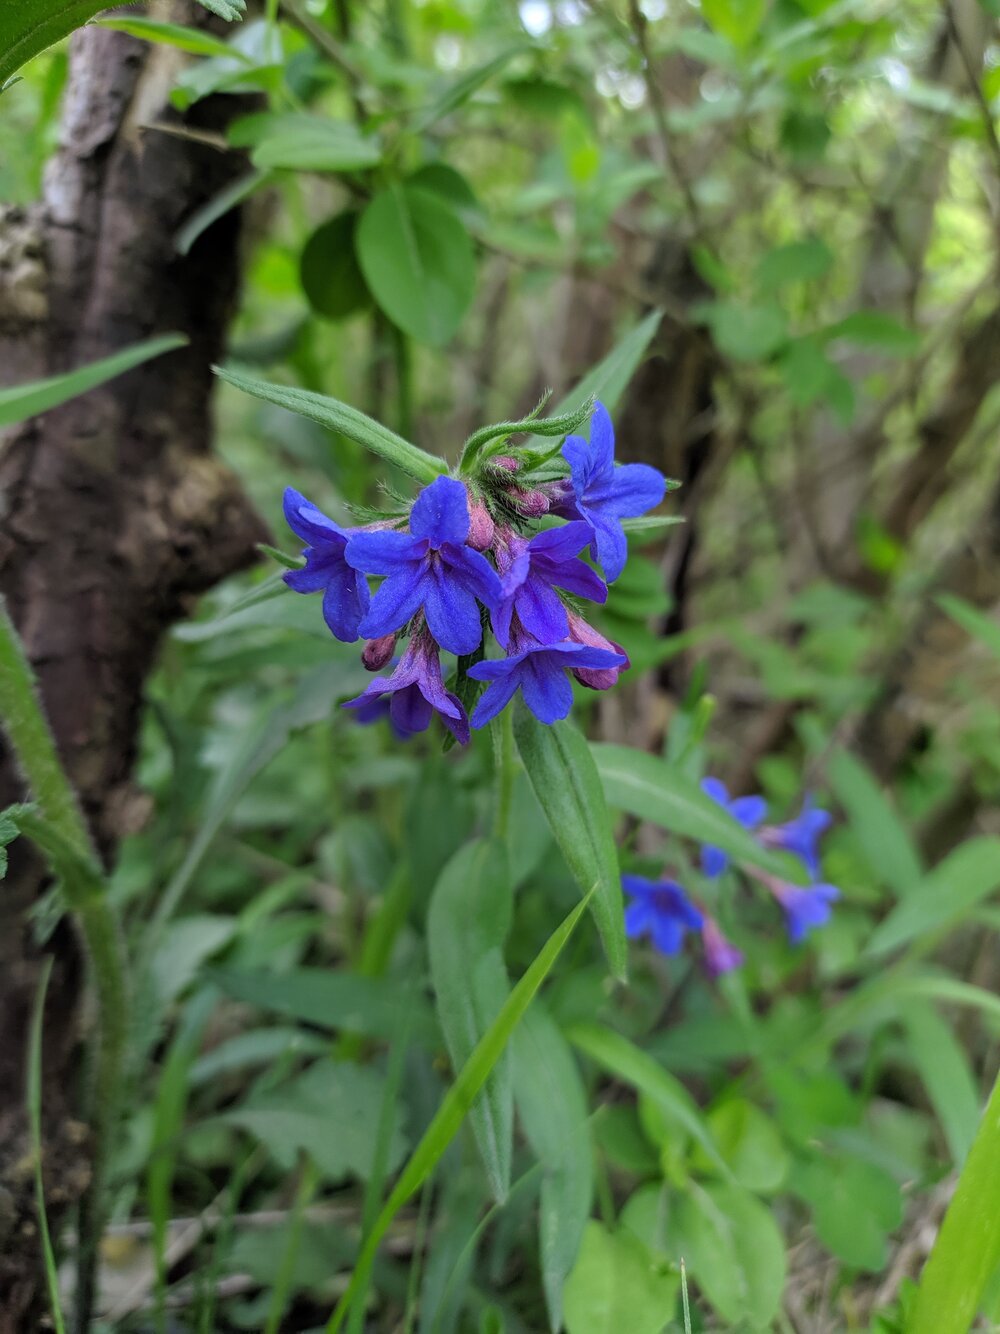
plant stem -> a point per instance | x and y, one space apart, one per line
24 721
503 749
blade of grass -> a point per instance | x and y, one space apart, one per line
455 1105
34 1101
286 1270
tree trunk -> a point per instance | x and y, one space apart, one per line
114 516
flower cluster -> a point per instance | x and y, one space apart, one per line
663 911
469 554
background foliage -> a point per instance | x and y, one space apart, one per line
772 229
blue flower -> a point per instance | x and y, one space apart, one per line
345 592
800 835
532 570
661 910
429 567
805 909
417 693
749 811
540 672
603 495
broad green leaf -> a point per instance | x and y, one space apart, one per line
257 1046
855 1205
462 89
456 1103
885 996
608 379
873 328
337 416
884 840
417 259
220 203
328 269
561 770
967 1251
193 40
617 1287
467 923
337 1000
797 262
744 332
750 1143
653 790
623 1059
946 1074
982 627
552 1105
739 20
28 400
297 141
944 898
331 1112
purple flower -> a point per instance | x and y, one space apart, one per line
603 495
805 909
721 955
800 835
417 692
540 672
531 572
345 592
661 910
429 567
749 811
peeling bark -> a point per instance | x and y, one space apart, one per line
113 516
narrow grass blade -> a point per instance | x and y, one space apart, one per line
35 1127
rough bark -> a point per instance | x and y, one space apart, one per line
113 515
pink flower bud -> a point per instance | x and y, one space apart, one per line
583 633
377 653
481 526
506 463
532 504
721 955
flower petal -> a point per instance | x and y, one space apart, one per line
637 919
495 697
716 789
383 552
315 574
345 602
441 512
452 612
541 611
629 491
576 452
610 544
310 523
713 860
474 572
749 811
410 711
546 688
396 601
602 441
560 544
576 578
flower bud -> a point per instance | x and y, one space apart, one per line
583 633
377 653
721 955
531 504
506 463
481 526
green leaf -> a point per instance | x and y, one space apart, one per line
967 1251
982 627
456 1103
944 898
739 20
297 141
337 416
734 1250
467 923
561 770
648 787
750 1143
616 1287
216 207
341 1001
552 1105
872 328
331 1112
329 272
797 262
27 400
744 332
607 380
417 259
28 27
883 838
463 88
34 1109
946 1074
623 1059
230 10
855 1206
194 40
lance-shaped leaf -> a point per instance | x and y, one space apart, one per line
337 416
